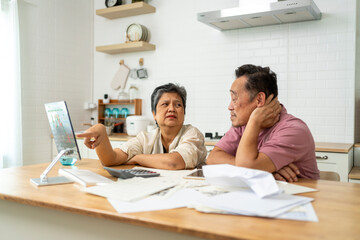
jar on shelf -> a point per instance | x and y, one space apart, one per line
133 92
116 113
124 112
107 112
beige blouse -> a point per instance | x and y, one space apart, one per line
189 143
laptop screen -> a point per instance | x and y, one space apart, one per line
61 128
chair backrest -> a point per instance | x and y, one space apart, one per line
331 176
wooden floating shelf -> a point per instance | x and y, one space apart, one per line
118 102
126 10
126 47
117 119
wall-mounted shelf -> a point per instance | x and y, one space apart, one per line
126 47
126 10
135 109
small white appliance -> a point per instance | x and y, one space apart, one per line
136 124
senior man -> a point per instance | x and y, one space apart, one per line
263 135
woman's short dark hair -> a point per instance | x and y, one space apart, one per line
167 88
260 79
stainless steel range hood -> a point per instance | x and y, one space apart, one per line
261 15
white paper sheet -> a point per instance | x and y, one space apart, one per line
132 189
305 212
179 199
247 203
289 188
261 182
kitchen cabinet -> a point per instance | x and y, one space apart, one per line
121 11
85 152
335 157
134 107
354 175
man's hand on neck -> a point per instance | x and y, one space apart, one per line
264 116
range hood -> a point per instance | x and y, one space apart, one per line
261 15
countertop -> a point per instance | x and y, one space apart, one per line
319 146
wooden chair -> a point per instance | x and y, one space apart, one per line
331 176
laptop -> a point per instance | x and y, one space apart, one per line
62 130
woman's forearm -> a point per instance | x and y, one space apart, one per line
169 161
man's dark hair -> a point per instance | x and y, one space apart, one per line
259 79
167 88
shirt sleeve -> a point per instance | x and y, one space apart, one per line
288 145
191 147
230 141
134 146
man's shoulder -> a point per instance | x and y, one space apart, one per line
235 130
289 120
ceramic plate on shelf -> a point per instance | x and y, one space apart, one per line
134 32
137 32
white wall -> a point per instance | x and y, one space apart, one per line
315 62
56 64
357 77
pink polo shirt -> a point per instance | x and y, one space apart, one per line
288 141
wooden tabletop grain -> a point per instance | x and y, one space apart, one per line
337 206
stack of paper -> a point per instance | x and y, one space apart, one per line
261 182
247 203
133 189
227 190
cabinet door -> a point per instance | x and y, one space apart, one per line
116 144
92 153
336 162
85 152
354 180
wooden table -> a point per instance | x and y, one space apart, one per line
65 212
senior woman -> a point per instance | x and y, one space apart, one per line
172 145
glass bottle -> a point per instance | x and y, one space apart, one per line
133 92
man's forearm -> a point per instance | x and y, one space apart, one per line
247 151
219 156
248 155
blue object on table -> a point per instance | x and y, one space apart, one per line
68 161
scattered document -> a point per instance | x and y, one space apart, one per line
180 199
289 188
84 177
247 203
305 212
300 213
132 189
261 182
226 190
